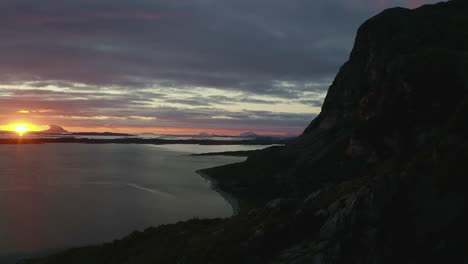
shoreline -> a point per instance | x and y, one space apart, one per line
231 200
240 153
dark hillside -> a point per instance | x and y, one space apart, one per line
378 177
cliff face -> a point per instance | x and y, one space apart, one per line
378 177
404 80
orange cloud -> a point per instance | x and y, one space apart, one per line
35 111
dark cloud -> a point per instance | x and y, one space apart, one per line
316 103
188 102
276 48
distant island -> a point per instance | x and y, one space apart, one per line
136 140
57 134
104 134
56 130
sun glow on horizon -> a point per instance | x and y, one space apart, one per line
20 128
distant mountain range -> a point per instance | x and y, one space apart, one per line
58 130
249 134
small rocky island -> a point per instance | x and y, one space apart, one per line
378 177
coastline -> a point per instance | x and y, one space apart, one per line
151 141
226 196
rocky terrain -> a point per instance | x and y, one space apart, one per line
379 176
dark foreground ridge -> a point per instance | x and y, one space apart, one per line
378 177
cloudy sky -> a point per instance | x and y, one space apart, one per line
174 66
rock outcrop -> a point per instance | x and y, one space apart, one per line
55 129
248 134
378 177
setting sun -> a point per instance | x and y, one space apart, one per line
20 128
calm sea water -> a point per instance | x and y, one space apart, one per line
62 195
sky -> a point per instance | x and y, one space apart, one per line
175 66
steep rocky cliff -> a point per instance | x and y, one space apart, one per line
380 176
